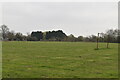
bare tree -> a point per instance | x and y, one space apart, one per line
4 31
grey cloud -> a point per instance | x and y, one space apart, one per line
82 18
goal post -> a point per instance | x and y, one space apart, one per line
108 39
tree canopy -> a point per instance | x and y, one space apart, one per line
112 35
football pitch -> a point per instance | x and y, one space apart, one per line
25 59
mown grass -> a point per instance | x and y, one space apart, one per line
59 60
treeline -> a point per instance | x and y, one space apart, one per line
111 35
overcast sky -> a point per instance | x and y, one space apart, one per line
77 18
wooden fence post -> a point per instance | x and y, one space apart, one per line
98 40
108 41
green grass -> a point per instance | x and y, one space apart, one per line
59 60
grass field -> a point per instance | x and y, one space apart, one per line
59 60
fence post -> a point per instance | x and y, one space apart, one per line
108 42
97 40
